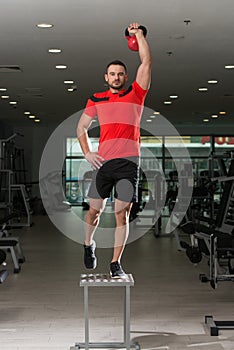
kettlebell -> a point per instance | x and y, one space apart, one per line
132 40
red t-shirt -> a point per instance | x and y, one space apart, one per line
119 116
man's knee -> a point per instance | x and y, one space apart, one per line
96 207
95 213
122 216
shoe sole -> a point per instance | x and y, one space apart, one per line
122 277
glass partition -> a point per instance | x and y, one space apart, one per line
158 154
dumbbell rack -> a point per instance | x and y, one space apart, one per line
104 280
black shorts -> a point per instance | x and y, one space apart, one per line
122 174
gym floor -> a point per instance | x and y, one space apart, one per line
42 306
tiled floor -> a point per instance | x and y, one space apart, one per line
41 308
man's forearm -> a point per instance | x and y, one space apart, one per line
84 141
144 49
92 157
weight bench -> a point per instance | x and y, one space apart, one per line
218 246
12 244
4 222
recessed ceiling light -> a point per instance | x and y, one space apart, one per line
173 96
205 120
54 50
61 66
13 103
202 89
222 112
214 116
32 116
230 66
68 81
156 112
27 112
70 89
152 116
167 102
45 25
37 120
3 89
5 96
149 120
212 81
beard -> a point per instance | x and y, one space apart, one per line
116 87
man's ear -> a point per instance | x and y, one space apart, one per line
105 77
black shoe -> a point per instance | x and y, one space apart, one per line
116 270
90 259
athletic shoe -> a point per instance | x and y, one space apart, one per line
90 259
116 270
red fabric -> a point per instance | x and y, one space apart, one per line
119 120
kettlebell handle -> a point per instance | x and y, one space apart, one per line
140 27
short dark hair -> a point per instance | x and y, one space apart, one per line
117 63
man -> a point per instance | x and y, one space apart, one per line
116 164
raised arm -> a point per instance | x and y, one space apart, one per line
82 134
143 76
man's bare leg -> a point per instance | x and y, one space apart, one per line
93 217
122 212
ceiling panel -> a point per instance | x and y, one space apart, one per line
91 33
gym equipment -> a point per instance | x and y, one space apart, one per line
4 222
21 203
2 257
215 239
52 193
86 181
3 273
14 198
194 254
215 326
6 180
104 280
11 244
132 40
12 158
13 192
151 195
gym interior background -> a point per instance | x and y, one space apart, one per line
46 75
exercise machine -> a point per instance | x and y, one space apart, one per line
12 244
52 193
14 195
215 239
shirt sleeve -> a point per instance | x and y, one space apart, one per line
90 109
141 93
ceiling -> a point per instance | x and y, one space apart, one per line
91 33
